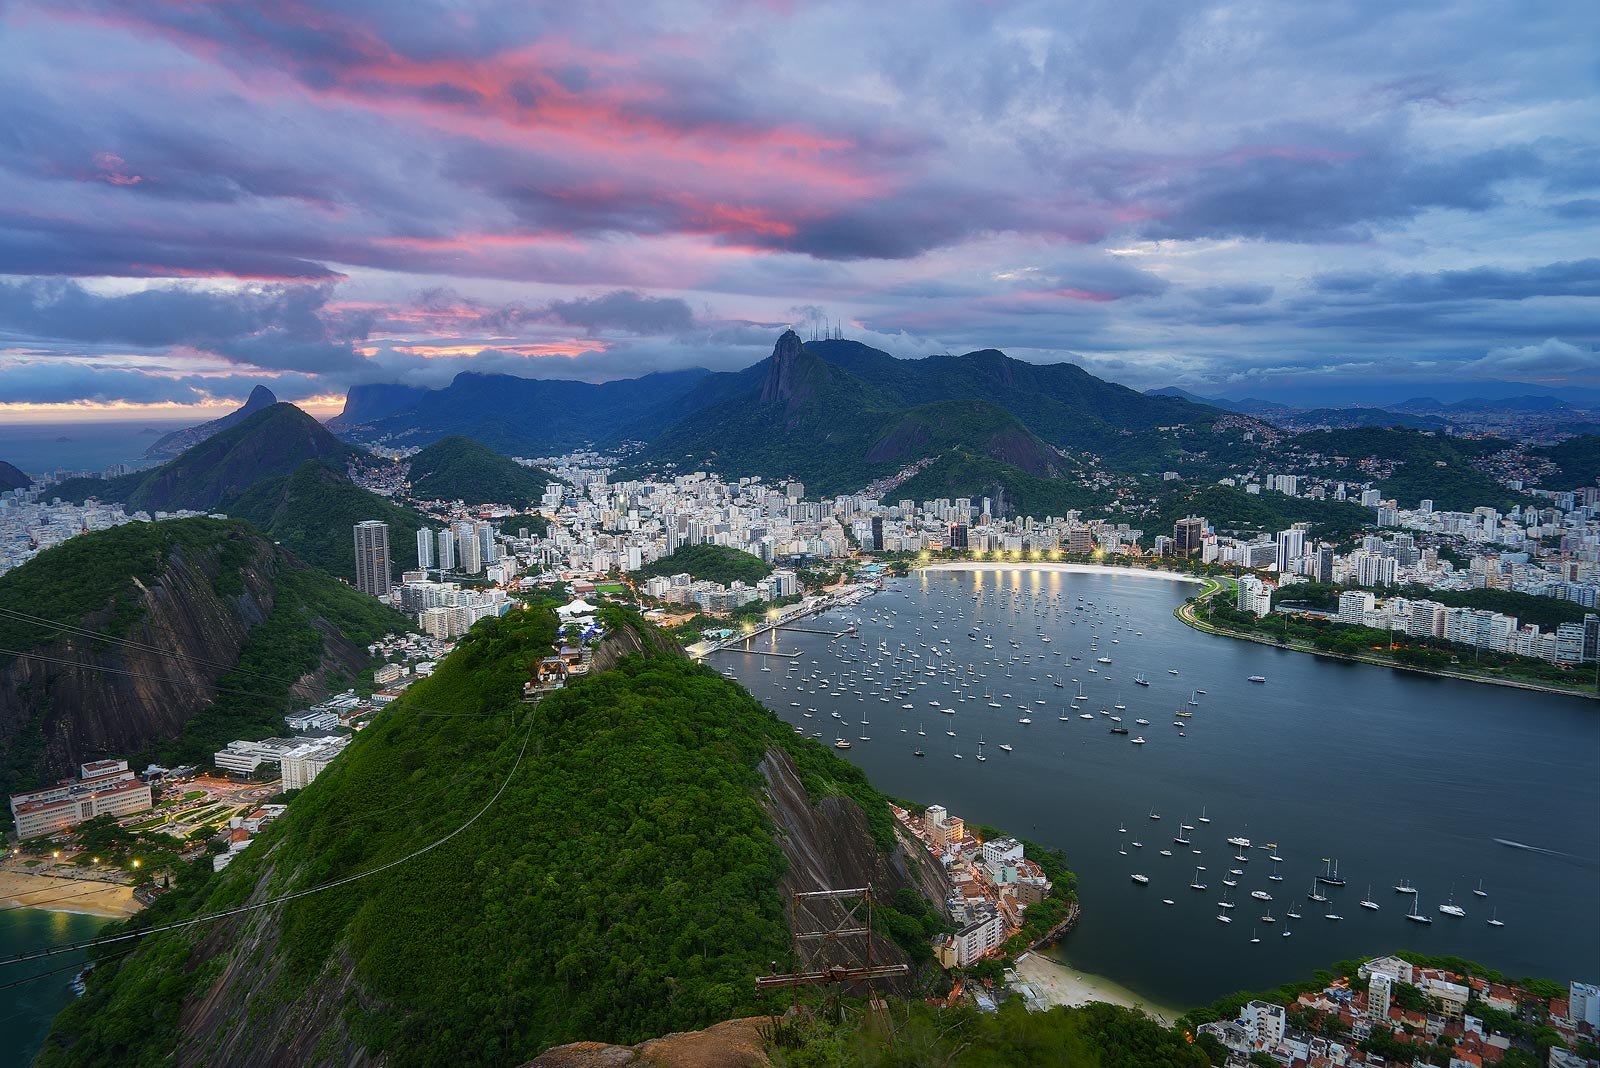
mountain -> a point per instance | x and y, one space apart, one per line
615 862
839 414
11 478
460 469
370 402
526 416
229 629
269 443
172 444
312 512
1577 462
1346 418
1419 465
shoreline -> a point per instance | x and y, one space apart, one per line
1186 616
1057 566
83 897
1062 984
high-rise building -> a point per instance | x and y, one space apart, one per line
372 558
877 533
1291 547
469 550
424 548
447 549
1186 535
958 535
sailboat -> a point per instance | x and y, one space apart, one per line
980 748
1330 874
1450 908
1254 938
1194 699
1480 891
1275 877
1404 887
1495 920
1415 915
1316 895
1203 817
1367 902
1197 884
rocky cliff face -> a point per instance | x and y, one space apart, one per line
94 698
730 1044
829 846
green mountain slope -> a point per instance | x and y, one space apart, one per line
231 630
11 478
458 468
624 883
1577 461
272 442
313 511
1424 465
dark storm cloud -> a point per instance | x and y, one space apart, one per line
273 326
664 179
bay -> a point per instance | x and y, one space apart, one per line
1396 775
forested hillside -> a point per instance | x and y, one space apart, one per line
714 563
229 631
460 469
613 874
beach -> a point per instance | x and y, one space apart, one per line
1062 984
1057 566
87 897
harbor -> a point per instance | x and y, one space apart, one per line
998 691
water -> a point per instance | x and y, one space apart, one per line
1399 776
40 448
26 1010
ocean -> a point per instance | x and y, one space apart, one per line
40 448
26 1010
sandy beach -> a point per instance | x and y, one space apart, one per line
1061 984
84 896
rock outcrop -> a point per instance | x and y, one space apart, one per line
730 1044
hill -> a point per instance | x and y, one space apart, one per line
270 443
168 445
11 478
523 416
1233 511
714 563
313 511
458 468
1577 461
1421 465
605 864
228 629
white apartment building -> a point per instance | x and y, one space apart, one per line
102 788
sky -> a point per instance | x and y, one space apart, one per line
1235 198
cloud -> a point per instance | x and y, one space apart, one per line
279 327
1551 360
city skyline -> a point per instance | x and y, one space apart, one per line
1226 197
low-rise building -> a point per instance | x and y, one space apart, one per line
102 788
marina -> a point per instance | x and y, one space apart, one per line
1324 776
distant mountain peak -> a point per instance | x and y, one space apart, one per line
169 445
785 383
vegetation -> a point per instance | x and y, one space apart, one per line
1421 464
286 647
916 1035
313 511
623 885
537 525
460 469
713 563
93 582
1577 461
1316 634
963 473
1232 510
